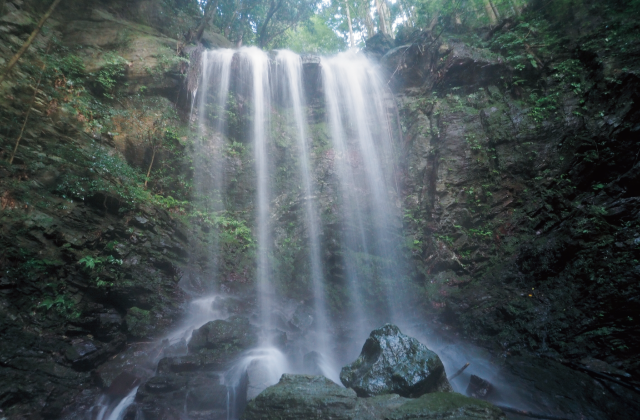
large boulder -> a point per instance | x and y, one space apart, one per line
232 335
298 397
378 45
393 363
316 397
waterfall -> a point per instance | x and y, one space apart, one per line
257 76
208 147
360 132
361 197
290 80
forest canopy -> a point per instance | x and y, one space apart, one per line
329 26
325 26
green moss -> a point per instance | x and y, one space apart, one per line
435 405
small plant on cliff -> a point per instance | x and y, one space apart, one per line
61 303
92 262
111 72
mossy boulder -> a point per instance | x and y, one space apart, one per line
316 397
302 397
445 405
394 363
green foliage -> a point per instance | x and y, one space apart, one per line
170 203
232 231
91 262
544 107
314 37
259 22
111 72
60 303
108 174
69 65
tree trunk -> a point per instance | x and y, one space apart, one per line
351 39
492 16
383 25
273 8
495 9
368 23
434 21
28 42
207 20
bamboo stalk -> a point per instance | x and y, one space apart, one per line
153 156
28 42
351 39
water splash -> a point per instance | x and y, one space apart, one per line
201 311
115 410
256 370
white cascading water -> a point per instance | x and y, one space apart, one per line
208 147
255 73
289 72
362 141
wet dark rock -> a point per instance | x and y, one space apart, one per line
85 354
393 363
201 394
560 391
379 44
234 334
162 384
479 388
298 397
122 385
207 360
213 40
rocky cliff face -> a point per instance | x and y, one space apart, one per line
518 180
91 260
521 161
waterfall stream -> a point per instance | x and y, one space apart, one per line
358 155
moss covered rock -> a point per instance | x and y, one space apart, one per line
302 397
316 397
445 405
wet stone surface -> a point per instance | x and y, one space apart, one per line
392 362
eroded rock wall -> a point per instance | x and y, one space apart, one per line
519 181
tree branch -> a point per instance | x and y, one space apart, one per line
28 42
263 31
